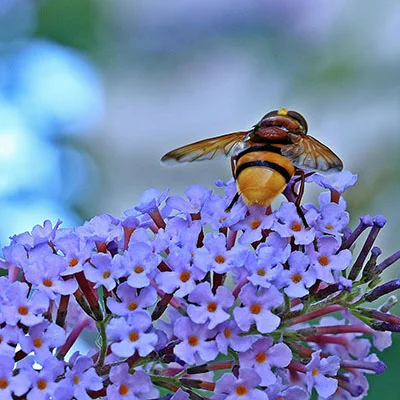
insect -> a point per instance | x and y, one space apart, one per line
265 158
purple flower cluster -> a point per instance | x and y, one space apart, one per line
189 300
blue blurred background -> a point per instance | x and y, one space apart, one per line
93 93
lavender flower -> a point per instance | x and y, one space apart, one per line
317 369
242 388
180 282
256 308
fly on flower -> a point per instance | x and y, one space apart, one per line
265 158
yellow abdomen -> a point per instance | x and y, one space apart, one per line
262 175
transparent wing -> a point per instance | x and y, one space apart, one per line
308 153
207 149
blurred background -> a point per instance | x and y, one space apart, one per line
93 93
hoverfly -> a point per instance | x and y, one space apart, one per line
265 158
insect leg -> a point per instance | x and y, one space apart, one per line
236 197
232 203
299 196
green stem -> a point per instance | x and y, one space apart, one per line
101 326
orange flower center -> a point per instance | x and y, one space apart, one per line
106 274
212 306
138 269
76 379
255 309
48 283
329 227
73 262
241 390
123 390
23 310
219 259
255 223
193 341
184 276
41 384
132 306
37 342
296 278
3 383
315 372
261 272
261 357
227 333
296 227
323 260
133 336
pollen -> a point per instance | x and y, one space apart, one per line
184 276
283 111
296 278
73 262
37 342
106 274
296 227
261 272
23 310
315 372
123 390
133 336
76 379
212 306
48 283
241 390
329 227
132 306
227 333
3 383
138 269
41 384
193 340
323 260
255 223
219 259
255 308
261 357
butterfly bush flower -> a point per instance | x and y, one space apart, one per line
189 300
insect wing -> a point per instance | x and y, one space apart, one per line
308 153
207 149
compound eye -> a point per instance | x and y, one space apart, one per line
299 118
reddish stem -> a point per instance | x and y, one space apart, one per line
72 337
335 329
328 339
314 314
155 215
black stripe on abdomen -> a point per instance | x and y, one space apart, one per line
266 164
265 147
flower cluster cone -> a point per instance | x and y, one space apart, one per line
184 299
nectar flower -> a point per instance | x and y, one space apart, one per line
338 182
317 369
257 305
242 388
209 307
289 224
190 300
